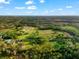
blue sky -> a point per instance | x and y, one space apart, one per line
39 7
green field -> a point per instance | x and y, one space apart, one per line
39 37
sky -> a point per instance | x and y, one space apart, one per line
39 7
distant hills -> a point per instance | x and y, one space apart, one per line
10 21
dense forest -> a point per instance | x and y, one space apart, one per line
39 37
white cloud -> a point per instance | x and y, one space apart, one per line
47 12
60 9
29 2
19 7
42 1
4 1
31 7
68 6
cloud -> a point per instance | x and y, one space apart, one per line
68 6
4 1
29 2
19 7
60 9
42 1
31 7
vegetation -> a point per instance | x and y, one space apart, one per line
40 41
